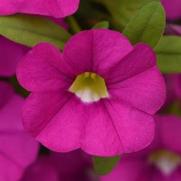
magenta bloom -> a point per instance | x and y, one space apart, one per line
160 162
98 95
17 149
172 8
73 166
58 8
9 56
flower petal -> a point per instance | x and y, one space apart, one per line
137 61
139 84
58 8
95 50
41 170
63 132
169 132
129 170
6 93
172 8
56 123
10 55
40 69
17 148
40 108
117 128
146 91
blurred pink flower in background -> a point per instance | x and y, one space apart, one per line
160 162
10 54
73 166
67 110
173 82
57 9
17 149
172 8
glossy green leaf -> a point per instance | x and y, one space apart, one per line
169 54
147 25
104 165
30 30
123 10
102 24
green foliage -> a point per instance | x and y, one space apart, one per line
169 54
147 25
122 10
102 24
30 30
103 165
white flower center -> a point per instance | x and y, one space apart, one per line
166 161
89 87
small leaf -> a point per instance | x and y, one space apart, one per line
169 54
30 30
103 165
102 24
147 25
122 10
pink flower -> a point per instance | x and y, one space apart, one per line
98 95
160 162
9 56
55 167
17 149
172 8
54 8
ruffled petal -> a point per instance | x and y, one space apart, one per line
41 170
17 148
6 93
116 128
129 170
58 8
42 69
168 128
172 8
145 91
10 55
95 50
137 81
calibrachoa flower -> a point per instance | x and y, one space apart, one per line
9 56
73 166
54 8
98 95
161 162
172 8
17 149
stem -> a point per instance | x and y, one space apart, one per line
74 26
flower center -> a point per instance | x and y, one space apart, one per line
166 161
89 87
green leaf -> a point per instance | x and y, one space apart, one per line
169 54
102 24
122 10
103 165
147 25
30 30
